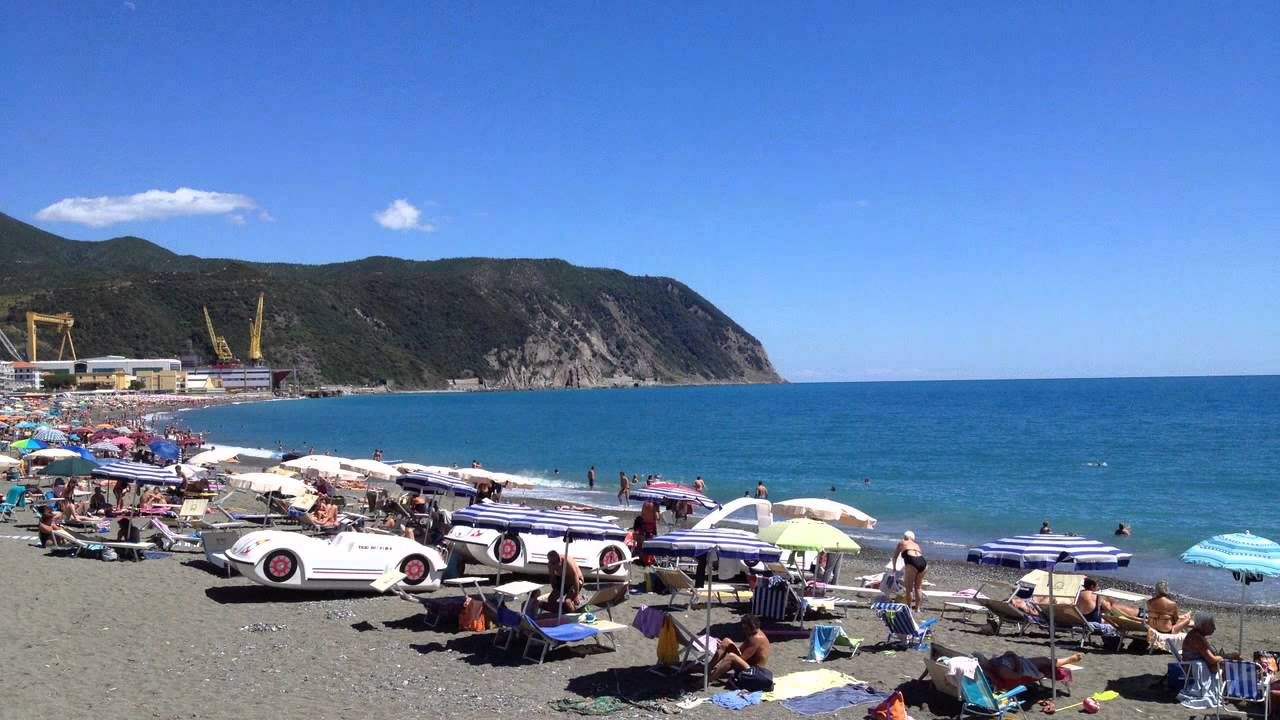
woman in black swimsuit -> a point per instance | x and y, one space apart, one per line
915 565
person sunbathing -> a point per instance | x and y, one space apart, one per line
1093 606
746 661
564 573
1027 607
1011 669
323 515
1162 612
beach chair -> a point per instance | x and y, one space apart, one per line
902 625
696 649
170 540
434 609
14 499
546 638
608 597
978 700
1002 612
678 583
1069 618
1248 682
826 639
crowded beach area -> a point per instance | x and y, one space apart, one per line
150 572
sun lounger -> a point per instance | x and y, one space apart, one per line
546 638
434 609
695 649
1069 618
83 544
902 625
608 597
678 583
170 540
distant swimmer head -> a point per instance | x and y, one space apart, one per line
909 535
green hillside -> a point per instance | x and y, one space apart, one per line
514 323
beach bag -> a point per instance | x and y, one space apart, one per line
894 708
108 554
472 616
668 643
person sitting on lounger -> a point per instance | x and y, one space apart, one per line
1092 605
571 581
98 503
323 515
1162 612
746 661
152 498
1026 606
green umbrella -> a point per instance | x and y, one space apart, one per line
806 534
69 467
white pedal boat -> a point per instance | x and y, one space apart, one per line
526 553
345 561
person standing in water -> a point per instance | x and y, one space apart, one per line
915 565
591 477
762 492
624 489
699 485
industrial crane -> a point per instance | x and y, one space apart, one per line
220 347
62 321
255 335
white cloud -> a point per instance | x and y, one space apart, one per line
130 6
401 215
235 219
149 205
265 216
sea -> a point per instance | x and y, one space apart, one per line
959 462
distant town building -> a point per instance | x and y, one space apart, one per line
7 381
26 375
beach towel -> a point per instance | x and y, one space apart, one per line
603 705
737 699
821 639
808 682
1168 642
649 621
835 699
961 666
668 643
1202 689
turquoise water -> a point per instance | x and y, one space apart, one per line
958 462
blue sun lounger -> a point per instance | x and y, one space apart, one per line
902 625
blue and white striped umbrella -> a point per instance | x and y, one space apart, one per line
50 435
646 493
140 473
430 482
1242 553
1238 552
1040 552
726 542
552 523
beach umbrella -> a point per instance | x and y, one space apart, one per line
824 509
165 449
52 454
70 467
323 463
808 535
214 456
1047 552
104 446
712 543
50 435
408 467
82 452
261 482
569 524
1250 557
28 445
372 468
140 473
121 441
671 494
8 462
429 482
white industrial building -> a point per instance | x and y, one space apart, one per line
107 365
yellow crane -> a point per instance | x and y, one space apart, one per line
255 334
220 347
62 321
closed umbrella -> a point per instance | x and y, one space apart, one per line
1047 552
824 509
712 543
1246 555
649 493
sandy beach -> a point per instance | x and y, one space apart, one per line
170 638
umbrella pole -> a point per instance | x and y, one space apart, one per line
706 662
1053 643
564 561
1243 587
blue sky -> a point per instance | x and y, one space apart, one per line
876 191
